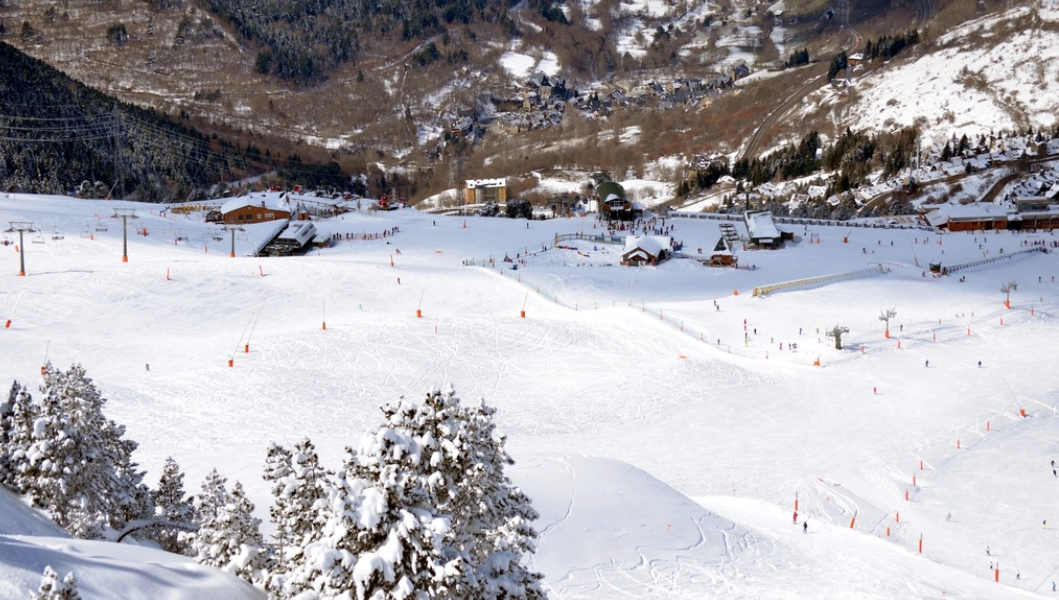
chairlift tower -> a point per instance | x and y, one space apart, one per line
125 214
233 229
21 227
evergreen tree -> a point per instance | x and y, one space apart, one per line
172 505
300 489
423 510
77 465
278 472
17 415
490 515
229 536
51 588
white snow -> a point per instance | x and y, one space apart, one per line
967 86
662 441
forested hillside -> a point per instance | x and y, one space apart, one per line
59 136
304 40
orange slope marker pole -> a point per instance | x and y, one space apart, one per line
522 313
7 324
231 359
254 319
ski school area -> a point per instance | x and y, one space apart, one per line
666 420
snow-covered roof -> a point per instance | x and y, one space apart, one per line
967 212
759 225
485 183
654 244
817 191
271 200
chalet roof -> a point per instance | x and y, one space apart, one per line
759 225
270 200
946 213
722 247
652 244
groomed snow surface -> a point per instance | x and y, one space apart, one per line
658 425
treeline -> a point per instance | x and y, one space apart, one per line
888 46
378 526
852 157
789 162
305 40
58 136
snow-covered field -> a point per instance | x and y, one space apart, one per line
658 425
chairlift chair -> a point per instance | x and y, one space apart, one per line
101 227
56 235
39 238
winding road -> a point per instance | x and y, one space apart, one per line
855 40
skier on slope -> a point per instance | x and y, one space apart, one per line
805 526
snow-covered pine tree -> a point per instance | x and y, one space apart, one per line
300 489
490 516
425 511
277 473
172 505
77 464
383 539
17 414
51 588
229 536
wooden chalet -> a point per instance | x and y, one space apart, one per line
255 209
647 250
722 255
613 205
969 217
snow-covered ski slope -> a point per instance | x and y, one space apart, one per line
665 464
